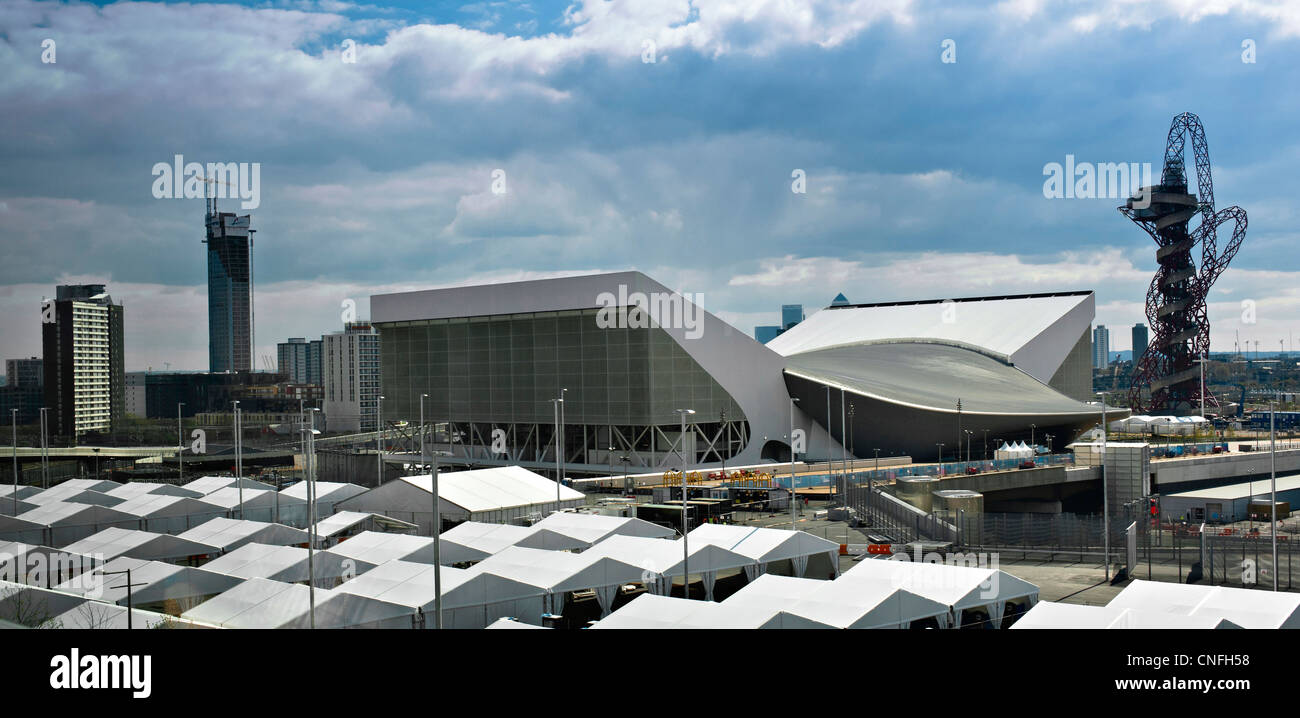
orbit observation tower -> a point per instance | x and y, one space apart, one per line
1166 379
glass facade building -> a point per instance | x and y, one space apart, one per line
230 292
503 372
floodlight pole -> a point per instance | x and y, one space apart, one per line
45 477
686 552
180 445
239 460
379 443
14 414
1105 490
129 585
559 450
844 446
794 516
311 519
1272 460
435 524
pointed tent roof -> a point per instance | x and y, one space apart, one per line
257 603
230 534
959 587
114 542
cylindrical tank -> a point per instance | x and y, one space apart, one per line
954 500
917 491
964 510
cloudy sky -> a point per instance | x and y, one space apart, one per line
924 178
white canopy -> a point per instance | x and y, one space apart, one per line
485 537
649 611
286 563
257 603
587 529
375 548
765 545
1047 614
147 545
138 488
343 522
1244 607
207 484
153 582
958 587
232 533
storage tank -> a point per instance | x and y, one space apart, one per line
954 500
917 491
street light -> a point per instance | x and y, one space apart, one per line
239 460
969 435
686 554
940 462
45 428
1272 460
1201 360
1035 426
14 415
557 406
986 444
1105 490
435 526
180 444
422 458
309 459
379 442
794 507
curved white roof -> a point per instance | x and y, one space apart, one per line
1034 332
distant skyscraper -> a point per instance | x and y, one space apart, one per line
351 364
85 378
1139 341
840 300
791 314
230 291
766 334
1100 347
24 389
300 360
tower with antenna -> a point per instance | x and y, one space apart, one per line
229 238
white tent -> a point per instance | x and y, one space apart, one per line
63 493
512 624
767 546
484 537
847 603
9 507
154 584
649 611
59 524
99 615
230 534
1244 607
288 564
170 514
261 505
346 524
497 495
960 588
1047 614
207 484
375 548
24 490
389 595
257 603
41 565
661 560
113 542
137 488
587 529
328 494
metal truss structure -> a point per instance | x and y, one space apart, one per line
1166 378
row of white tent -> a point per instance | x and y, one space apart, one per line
877 593
1159 425
1014 450
386 580
79 508
1152 604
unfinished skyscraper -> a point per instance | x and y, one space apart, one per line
230 290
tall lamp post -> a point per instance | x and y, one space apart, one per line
1272 460
557 403
986 444
423 460
180 445
1105 490
379 442
310 460
855 459
239 459
45 428
435 526
794 505
14 414
686 554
